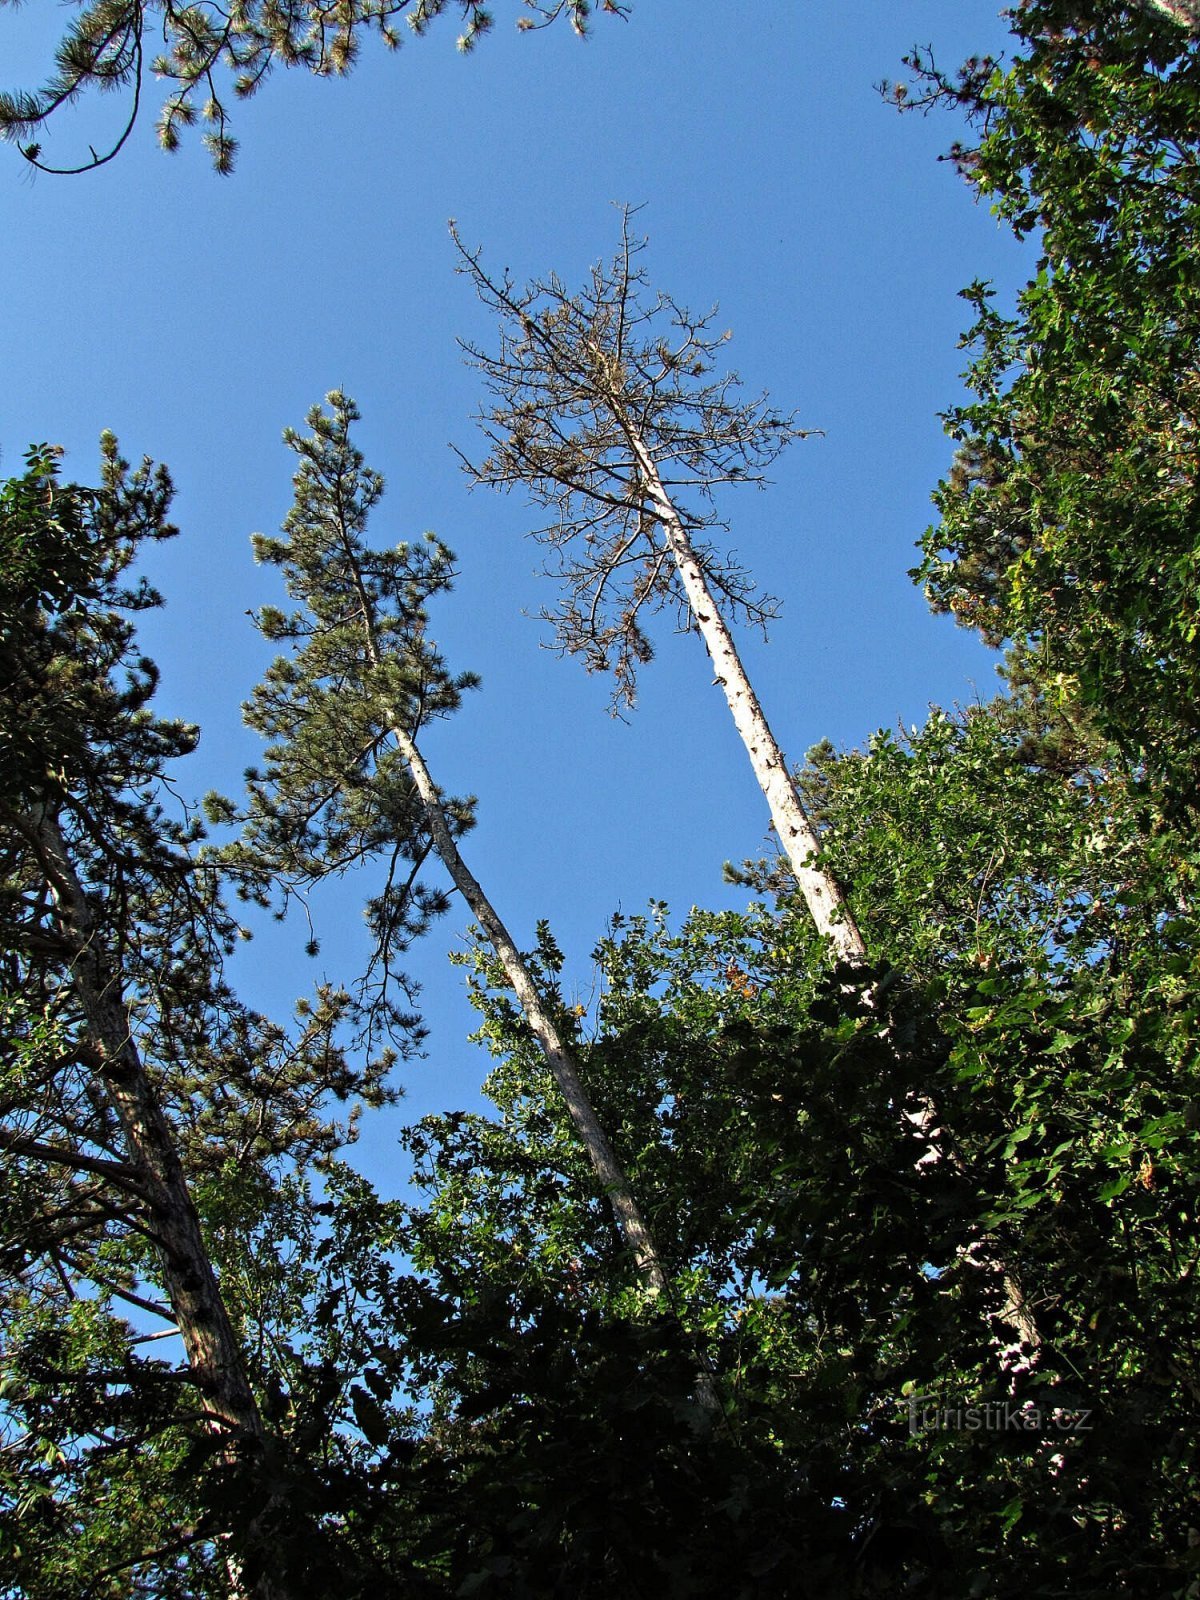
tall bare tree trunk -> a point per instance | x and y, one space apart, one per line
590 392
210 1343
823 896
559 1057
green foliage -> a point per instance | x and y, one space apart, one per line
333 791
463 1393
209 52
754 1102
110 1473
64 551
1058 940
1068 523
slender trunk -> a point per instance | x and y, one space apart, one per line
981 1255
559 1057
825 900
210 1343
823 896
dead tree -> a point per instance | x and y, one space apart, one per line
607 407
607 411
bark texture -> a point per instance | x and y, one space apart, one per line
823 896
559 1057
211 1345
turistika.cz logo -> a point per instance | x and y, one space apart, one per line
929 1413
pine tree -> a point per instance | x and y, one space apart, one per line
133 1084
107 929
205 46
345 777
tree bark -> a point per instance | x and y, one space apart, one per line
213 1352
825 900
822 895
559 1056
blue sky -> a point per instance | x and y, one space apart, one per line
197 316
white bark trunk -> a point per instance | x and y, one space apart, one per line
826 903
980 1256
825 900
559 1057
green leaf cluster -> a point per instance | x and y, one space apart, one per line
1068 522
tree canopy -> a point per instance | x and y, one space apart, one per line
708 1299
213 57
1068 523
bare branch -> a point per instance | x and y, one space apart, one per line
574 381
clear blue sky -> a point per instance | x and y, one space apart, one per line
197 316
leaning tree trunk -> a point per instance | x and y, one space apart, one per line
822 894
824 898
559 1057
564 1068
213 1352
